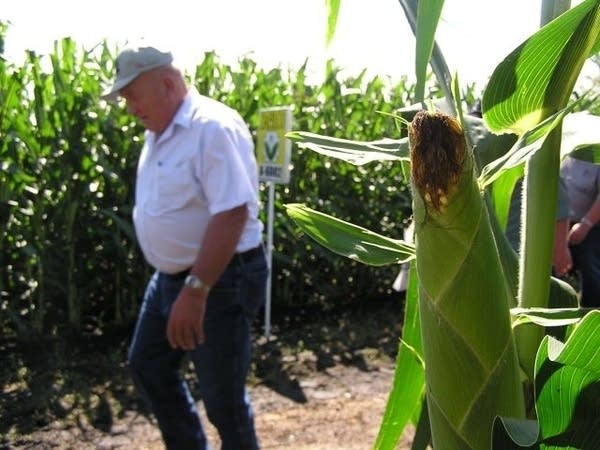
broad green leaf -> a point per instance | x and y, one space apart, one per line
567 381
530 85
354 152
349 240
537 78
422 437
582 348
502 192
526 146
515 434
487 146
408 388
568 388
547 317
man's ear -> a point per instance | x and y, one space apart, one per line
168 84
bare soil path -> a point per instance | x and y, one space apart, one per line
315 385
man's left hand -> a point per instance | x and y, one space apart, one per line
185 328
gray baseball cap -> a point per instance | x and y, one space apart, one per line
131 63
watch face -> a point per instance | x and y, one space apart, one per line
194 282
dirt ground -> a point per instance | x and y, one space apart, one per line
315 385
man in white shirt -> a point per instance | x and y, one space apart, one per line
196 219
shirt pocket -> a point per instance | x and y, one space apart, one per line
175 187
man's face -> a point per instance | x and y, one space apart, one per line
147 99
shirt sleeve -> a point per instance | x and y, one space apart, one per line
562 211
225 176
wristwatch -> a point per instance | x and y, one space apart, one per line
194 282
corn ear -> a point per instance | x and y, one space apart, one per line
472 371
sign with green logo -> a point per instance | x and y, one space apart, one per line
273 150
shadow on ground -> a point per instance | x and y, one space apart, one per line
83 381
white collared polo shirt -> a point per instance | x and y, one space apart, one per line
201 165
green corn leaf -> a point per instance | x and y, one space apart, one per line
515 434
422 437
537 78
581 349
581 131
354 152
423 16
562 294
531 84
567 380
472 371
428 16
488 147
526 146
547 317
501 193
349 240
333 9
408 386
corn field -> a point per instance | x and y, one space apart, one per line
68 255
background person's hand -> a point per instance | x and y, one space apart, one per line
578 233
185 328
562 262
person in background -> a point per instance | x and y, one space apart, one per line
196 220
577 236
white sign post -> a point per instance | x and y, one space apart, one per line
273 153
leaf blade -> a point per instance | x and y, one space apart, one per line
350 240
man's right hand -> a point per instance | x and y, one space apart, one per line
185 329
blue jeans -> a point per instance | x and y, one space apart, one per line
586 259
221 362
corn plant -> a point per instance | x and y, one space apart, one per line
465 269
68 256
60 185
